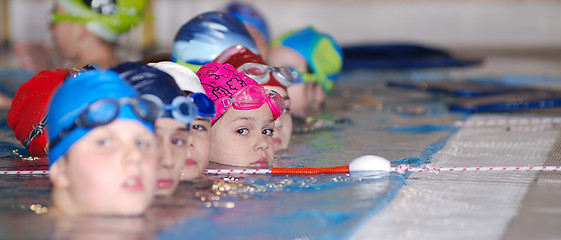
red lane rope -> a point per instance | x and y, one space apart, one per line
306 170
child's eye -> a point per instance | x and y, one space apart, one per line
178 141
105 142
199 127
143 144
242 131
268 132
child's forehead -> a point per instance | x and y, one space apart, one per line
258 115
170 124
204 119
201 120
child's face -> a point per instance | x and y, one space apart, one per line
199 149
306 98
173 139
109 171
66 35
243 138
283 125
286 57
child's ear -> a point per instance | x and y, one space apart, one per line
58 173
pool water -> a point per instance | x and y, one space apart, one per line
399 125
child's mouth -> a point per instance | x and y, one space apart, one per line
190 162
165 183
134 184
262 162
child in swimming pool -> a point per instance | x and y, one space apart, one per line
102 147
198 151
272 78
172 126
254 22
85 32
242 130
27 114
318 59
205 36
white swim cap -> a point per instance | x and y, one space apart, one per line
185 78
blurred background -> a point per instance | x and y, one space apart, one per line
468 26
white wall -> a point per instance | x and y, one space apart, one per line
448 23
28 20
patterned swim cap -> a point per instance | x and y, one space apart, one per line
226 87
203 38
323 54
107 19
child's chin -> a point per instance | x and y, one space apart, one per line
192 173
132 211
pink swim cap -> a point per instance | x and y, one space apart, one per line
229 88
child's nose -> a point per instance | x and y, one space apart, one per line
166 160
262 143
191 141
134 154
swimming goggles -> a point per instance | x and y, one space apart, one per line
306 77
105 110
204 104
184 109
252 97
260 73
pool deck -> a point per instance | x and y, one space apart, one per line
486 205
539 214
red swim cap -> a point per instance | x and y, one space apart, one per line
26 116
239 55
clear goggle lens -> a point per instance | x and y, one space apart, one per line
260 73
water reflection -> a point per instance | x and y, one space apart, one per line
103 228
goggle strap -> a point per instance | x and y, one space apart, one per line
37 130
230 101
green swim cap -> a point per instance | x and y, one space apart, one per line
323 54
107 19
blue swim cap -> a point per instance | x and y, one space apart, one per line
248 15
150 80
74 96
321 51
204 37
